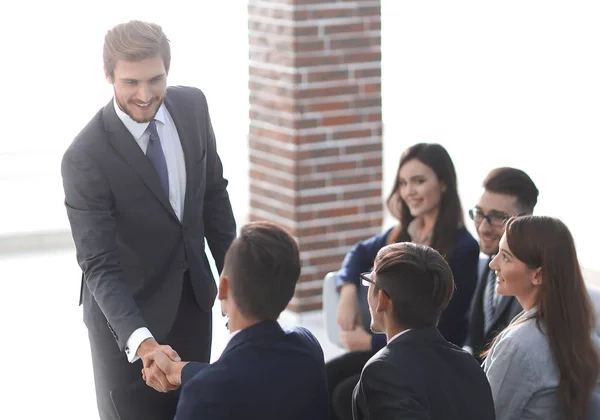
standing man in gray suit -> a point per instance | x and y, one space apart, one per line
143 189
506 192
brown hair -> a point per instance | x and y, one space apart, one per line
263 266
450 216
564 306
417 280
135 41
513 182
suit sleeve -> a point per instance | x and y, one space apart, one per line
382 394
90 210
205 396
219 223
190 370
360 259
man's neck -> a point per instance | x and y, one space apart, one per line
394 330
238 322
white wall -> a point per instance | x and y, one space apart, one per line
498 83
53 84
512 83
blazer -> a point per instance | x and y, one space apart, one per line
420 375
507 308
523 374
131 247
265 372
463 263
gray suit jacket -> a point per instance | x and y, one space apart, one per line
131 247
523 374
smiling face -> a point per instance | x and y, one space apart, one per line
514 277
497 206
420 188
140 87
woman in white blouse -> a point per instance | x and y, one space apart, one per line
545 364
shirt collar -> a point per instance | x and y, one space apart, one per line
397 335
135 128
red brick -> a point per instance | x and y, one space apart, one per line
351 134
327 76
353 195
344 28
349 43
332 13
361 57
364 148
327 106
317 199
303 46
337 166
341 120
272 193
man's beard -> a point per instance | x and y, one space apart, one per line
125 109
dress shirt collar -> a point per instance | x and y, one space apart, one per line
397 335
135 128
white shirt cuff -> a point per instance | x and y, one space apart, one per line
134 341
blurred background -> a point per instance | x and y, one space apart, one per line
508 83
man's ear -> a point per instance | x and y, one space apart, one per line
223 292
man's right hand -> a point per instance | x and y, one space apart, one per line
171 368
347 310
153 375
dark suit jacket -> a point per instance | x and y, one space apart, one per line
131 247
264 373
507 308
420 375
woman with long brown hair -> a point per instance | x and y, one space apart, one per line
545 364
425 203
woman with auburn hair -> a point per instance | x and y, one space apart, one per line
545 364
425 202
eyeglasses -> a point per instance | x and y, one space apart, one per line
367 281
494 219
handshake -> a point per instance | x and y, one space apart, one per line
162 366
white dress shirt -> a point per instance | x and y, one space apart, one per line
398 335
171 145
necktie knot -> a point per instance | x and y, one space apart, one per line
152 131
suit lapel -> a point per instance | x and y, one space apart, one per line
124 143
186 133
501 306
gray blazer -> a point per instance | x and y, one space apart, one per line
523 374
131 247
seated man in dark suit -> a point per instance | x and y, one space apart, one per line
418 374
506 192
265 371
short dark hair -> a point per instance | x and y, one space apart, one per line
417 279
135 41
263 267
513 182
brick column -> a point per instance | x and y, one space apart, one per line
315 128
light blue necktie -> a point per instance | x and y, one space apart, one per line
155 153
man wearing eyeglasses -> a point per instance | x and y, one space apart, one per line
418 374
506 192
